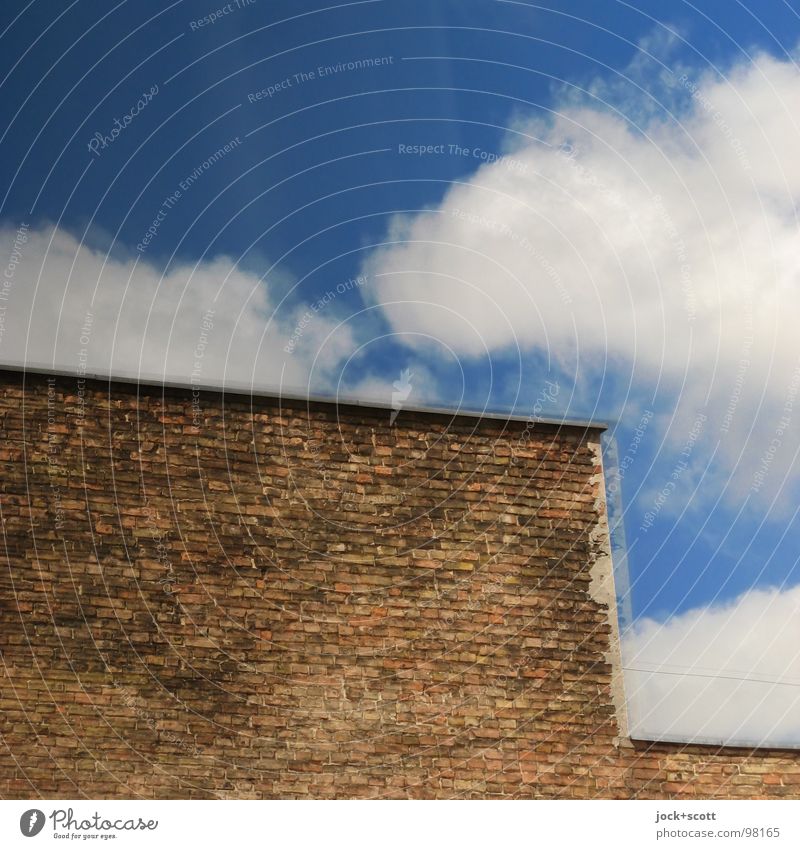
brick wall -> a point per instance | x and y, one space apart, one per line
254 598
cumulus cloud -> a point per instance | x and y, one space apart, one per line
649 235
727 673
666 251
70 306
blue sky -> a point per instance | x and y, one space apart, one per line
529 114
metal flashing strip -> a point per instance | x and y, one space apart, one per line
238 388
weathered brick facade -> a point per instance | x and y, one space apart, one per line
293 600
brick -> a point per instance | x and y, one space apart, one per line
236 634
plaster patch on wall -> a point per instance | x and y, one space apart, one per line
602 590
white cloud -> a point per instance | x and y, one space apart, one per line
69 304
668 251
703 657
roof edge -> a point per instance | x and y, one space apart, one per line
252 390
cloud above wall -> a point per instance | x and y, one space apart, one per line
725 673
653 234
71 306
622 237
